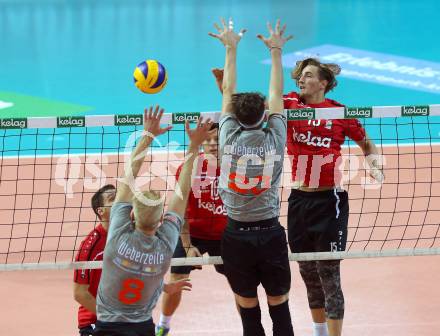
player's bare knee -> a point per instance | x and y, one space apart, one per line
277 300
245 302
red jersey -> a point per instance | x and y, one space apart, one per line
205 212
314 146
91 249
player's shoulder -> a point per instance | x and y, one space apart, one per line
97 235
293 95
172 217
333 103
180 167
92 244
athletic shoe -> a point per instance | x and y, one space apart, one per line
162 331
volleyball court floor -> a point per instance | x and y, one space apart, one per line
386 297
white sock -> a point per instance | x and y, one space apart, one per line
164 321
320 329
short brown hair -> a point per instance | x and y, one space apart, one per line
98 199
248 107
326 71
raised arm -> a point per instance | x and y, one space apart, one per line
230 40
197 136
133 165
275 43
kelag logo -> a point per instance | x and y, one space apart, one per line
413 111
180 118
301 114
385 69
12 123
358 112
128 119
71 121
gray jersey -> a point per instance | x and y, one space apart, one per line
251 168
134 266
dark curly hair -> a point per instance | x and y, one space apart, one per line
248 107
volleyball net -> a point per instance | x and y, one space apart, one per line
51 167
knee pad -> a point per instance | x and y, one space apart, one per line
329 273
315 293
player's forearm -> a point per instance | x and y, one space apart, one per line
276 82
370 150
184 235
138 155
87 300
230 70
229 76
185 177
371 153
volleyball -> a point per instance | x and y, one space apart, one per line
150 76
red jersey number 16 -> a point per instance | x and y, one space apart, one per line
131 291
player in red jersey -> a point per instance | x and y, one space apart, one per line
318 206
205 221
86 281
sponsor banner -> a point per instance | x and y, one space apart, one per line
71 122
381 68
180 118
128 119
13 123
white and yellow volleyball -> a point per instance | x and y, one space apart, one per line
150 76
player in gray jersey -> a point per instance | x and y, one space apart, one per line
141 241
254 246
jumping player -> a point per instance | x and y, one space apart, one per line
254 247
318 206
137 256
205 221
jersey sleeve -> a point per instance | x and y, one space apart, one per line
277 123
120 220
169 231
227 126
354 129
82 276
289 98
286 101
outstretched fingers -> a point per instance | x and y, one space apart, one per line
288 38
219 30
269 28
277 26
217 27
261 37
283 29
224 24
